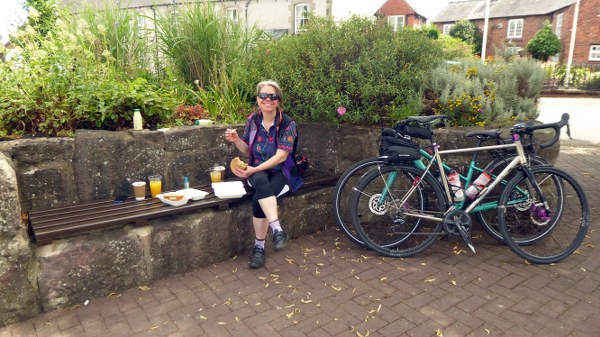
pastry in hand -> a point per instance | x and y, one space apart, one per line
237 163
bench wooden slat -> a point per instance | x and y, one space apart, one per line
46 225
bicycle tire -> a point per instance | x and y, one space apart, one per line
384 226
551 233
489 219
343 192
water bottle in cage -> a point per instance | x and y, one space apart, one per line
456 186
478 185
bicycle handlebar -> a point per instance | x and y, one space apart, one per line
556 126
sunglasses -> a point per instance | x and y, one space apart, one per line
272 97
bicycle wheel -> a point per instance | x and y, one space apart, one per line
543 225
489 219
381 210
343 192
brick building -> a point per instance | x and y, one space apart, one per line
514 22
400 13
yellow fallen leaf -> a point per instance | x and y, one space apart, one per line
487 331
453 282
439 333
429 280
202 317
379 308
336 288
583 269
262 277
144 288
154 327
306 301
222 323
383 279
113 295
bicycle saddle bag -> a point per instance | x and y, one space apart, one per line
398 154
422 132
389 138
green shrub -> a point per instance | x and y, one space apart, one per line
544 43
70 79
466 31
491 94
356 66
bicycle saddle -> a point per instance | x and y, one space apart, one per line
490 134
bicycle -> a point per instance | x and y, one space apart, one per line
347 181
399 209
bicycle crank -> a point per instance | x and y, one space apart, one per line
458 223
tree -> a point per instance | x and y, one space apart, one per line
544 44
467 31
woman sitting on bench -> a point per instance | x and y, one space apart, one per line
268 140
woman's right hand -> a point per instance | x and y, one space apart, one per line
231 135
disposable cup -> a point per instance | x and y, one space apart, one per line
139 190
217 174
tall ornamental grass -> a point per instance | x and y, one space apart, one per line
206 47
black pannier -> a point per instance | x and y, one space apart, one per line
397 148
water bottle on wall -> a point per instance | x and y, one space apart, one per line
456 186
137 120
478 185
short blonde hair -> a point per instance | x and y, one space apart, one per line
275 86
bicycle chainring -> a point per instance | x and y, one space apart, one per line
457 218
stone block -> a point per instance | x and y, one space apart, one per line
307 212
18 300
74 270
184 242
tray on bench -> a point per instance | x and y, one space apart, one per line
46 225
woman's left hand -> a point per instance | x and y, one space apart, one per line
245 173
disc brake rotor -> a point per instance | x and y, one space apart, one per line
376 206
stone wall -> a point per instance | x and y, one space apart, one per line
42 173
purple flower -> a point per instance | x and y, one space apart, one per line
341 111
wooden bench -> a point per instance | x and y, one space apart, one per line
47 225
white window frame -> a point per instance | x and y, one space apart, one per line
559 23
300 16
446 28
515 29
233 14
594 52
396 21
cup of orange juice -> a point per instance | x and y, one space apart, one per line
155 185
217 173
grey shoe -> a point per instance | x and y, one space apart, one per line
258 258
279 240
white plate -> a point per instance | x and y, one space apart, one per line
171 202
192 193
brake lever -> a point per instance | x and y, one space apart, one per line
569 130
